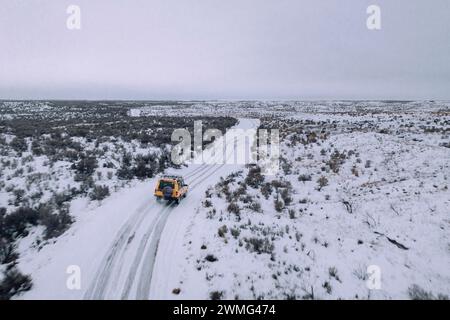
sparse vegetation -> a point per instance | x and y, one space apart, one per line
53 152
222 231
211 258
322 182
259 245
357 168
254 177
216 295
417 293
14 283
304 177
233 208
99 193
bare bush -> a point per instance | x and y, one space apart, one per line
222 231
417 293
259 245
266 190
254 177
216 295
304 177
233 208
14 283
99 193
322 182
279 205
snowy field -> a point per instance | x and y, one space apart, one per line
357 188
360 184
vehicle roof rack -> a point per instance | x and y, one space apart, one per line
171 177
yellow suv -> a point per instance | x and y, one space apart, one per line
171 188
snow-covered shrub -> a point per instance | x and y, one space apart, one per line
415 292
222 231
110 175
279 205
304 177
286 196
266 190
245 198
355 171
327 286
7 253
99 193
277 184
332 271
19 145
259 245
216 295
235 232
207 203
211 214
19 197
233 207
125 172
146 166
311 137
286 166
254 177
59 199
255 206
16 223
13 283
211 258
322 182
336 160
291 214
55 223
36 148
85 167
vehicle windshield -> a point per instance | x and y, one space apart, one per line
165 183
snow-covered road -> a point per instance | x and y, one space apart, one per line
129 248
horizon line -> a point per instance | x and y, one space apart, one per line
227 99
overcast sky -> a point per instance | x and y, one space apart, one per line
224 49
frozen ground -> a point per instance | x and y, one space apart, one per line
115 245
360 184
356 189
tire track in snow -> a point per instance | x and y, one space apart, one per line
114 258
154 232
137 258
145 279
145 294
158 227
97 290
144 283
